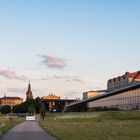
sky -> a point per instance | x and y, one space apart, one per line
66 47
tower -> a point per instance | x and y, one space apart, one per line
29 94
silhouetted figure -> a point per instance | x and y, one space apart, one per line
43 112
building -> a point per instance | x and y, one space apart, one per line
51 102
125 96
29 94
11 101
51 97
89 94
122 81
54 103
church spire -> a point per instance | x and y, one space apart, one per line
29 86
29 94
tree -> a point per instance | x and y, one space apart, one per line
38 104
28 106
31 110
23 108
6 109
43 111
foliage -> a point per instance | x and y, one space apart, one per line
6 109
38 104
24 107
43 111
31 110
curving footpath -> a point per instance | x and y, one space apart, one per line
28 130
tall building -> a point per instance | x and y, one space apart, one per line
123 81
29 94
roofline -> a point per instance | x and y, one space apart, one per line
11 98
104 90
59 99
106 94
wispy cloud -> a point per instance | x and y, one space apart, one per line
11 74
77 79
72 95
94 88
22 91
17 90
52 61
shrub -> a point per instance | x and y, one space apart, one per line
6 109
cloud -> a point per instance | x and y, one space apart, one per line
11 74
52 61
23 90
72 95
90 88
17 90
77 79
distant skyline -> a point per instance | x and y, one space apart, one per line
66 47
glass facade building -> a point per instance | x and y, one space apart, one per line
127 98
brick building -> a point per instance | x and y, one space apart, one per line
11 101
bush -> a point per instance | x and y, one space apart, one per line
31 110
6 109
25 106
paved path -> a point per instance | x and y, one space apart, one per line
28 130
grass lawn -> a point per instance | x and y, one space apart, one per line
7 123
94 126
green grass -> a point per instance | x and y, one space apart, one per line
7 123
93 126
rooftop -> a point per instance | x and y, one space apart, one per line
12 98
51 96
134 75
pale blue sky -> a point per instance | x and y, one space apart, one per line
97 39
